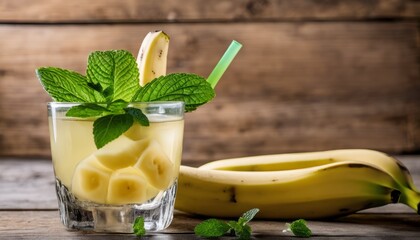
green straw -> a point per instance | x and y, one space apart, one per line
224 63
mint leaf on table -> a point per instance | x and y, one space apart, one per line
248 216
110 127
116 72
87 110
138 227
211 228
67 86
241 228
245 233
217 228
299 228
241 232
190 88
137 115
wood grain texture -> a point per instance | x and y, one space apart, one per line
46 225
293 87
28 211
29 185
203 10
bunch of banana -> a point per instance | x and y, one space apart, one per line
300 185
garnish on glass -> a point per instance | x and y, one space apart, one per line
112 82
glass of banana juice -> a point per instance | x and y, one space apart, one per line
106 189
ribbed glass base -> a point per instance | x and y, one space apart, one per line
85 215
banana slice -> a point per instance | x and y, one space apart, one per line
127 185
152 56
90 180
157 167
135 132
121 153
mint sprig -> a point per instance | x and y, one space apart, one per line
116 72
117 106
248 216
137 115
299 228
190 88
112 82
217 228
138 227
67 86
87 110
110 127
114 119
212 228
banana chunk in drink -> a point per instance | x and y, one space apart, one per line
90 180
156 166
121 153
127 185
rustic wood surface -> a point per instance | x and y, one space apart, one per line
30 184
202 10
295 86
28 210
46 225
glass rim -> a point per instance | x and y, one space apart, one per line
167 103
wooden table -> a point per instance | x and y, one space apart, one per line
28 210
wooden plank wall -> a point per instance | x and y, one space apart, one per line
312 74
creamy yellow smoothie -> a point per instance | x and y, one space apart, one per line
133 168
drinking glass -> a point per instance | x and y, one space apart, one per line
106 189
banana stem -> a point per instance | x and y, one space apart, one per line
411 198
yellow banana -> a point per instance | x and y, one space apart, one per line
326 190
152 56
380 160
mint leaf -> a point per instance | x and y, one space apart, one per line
248 216
138 115
117 106
242 231
95 86
299 228
138 227
216 228
190 88
109 93
211 228
86 110
235 227
245 233
108 128
116 72
115 119
67 86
